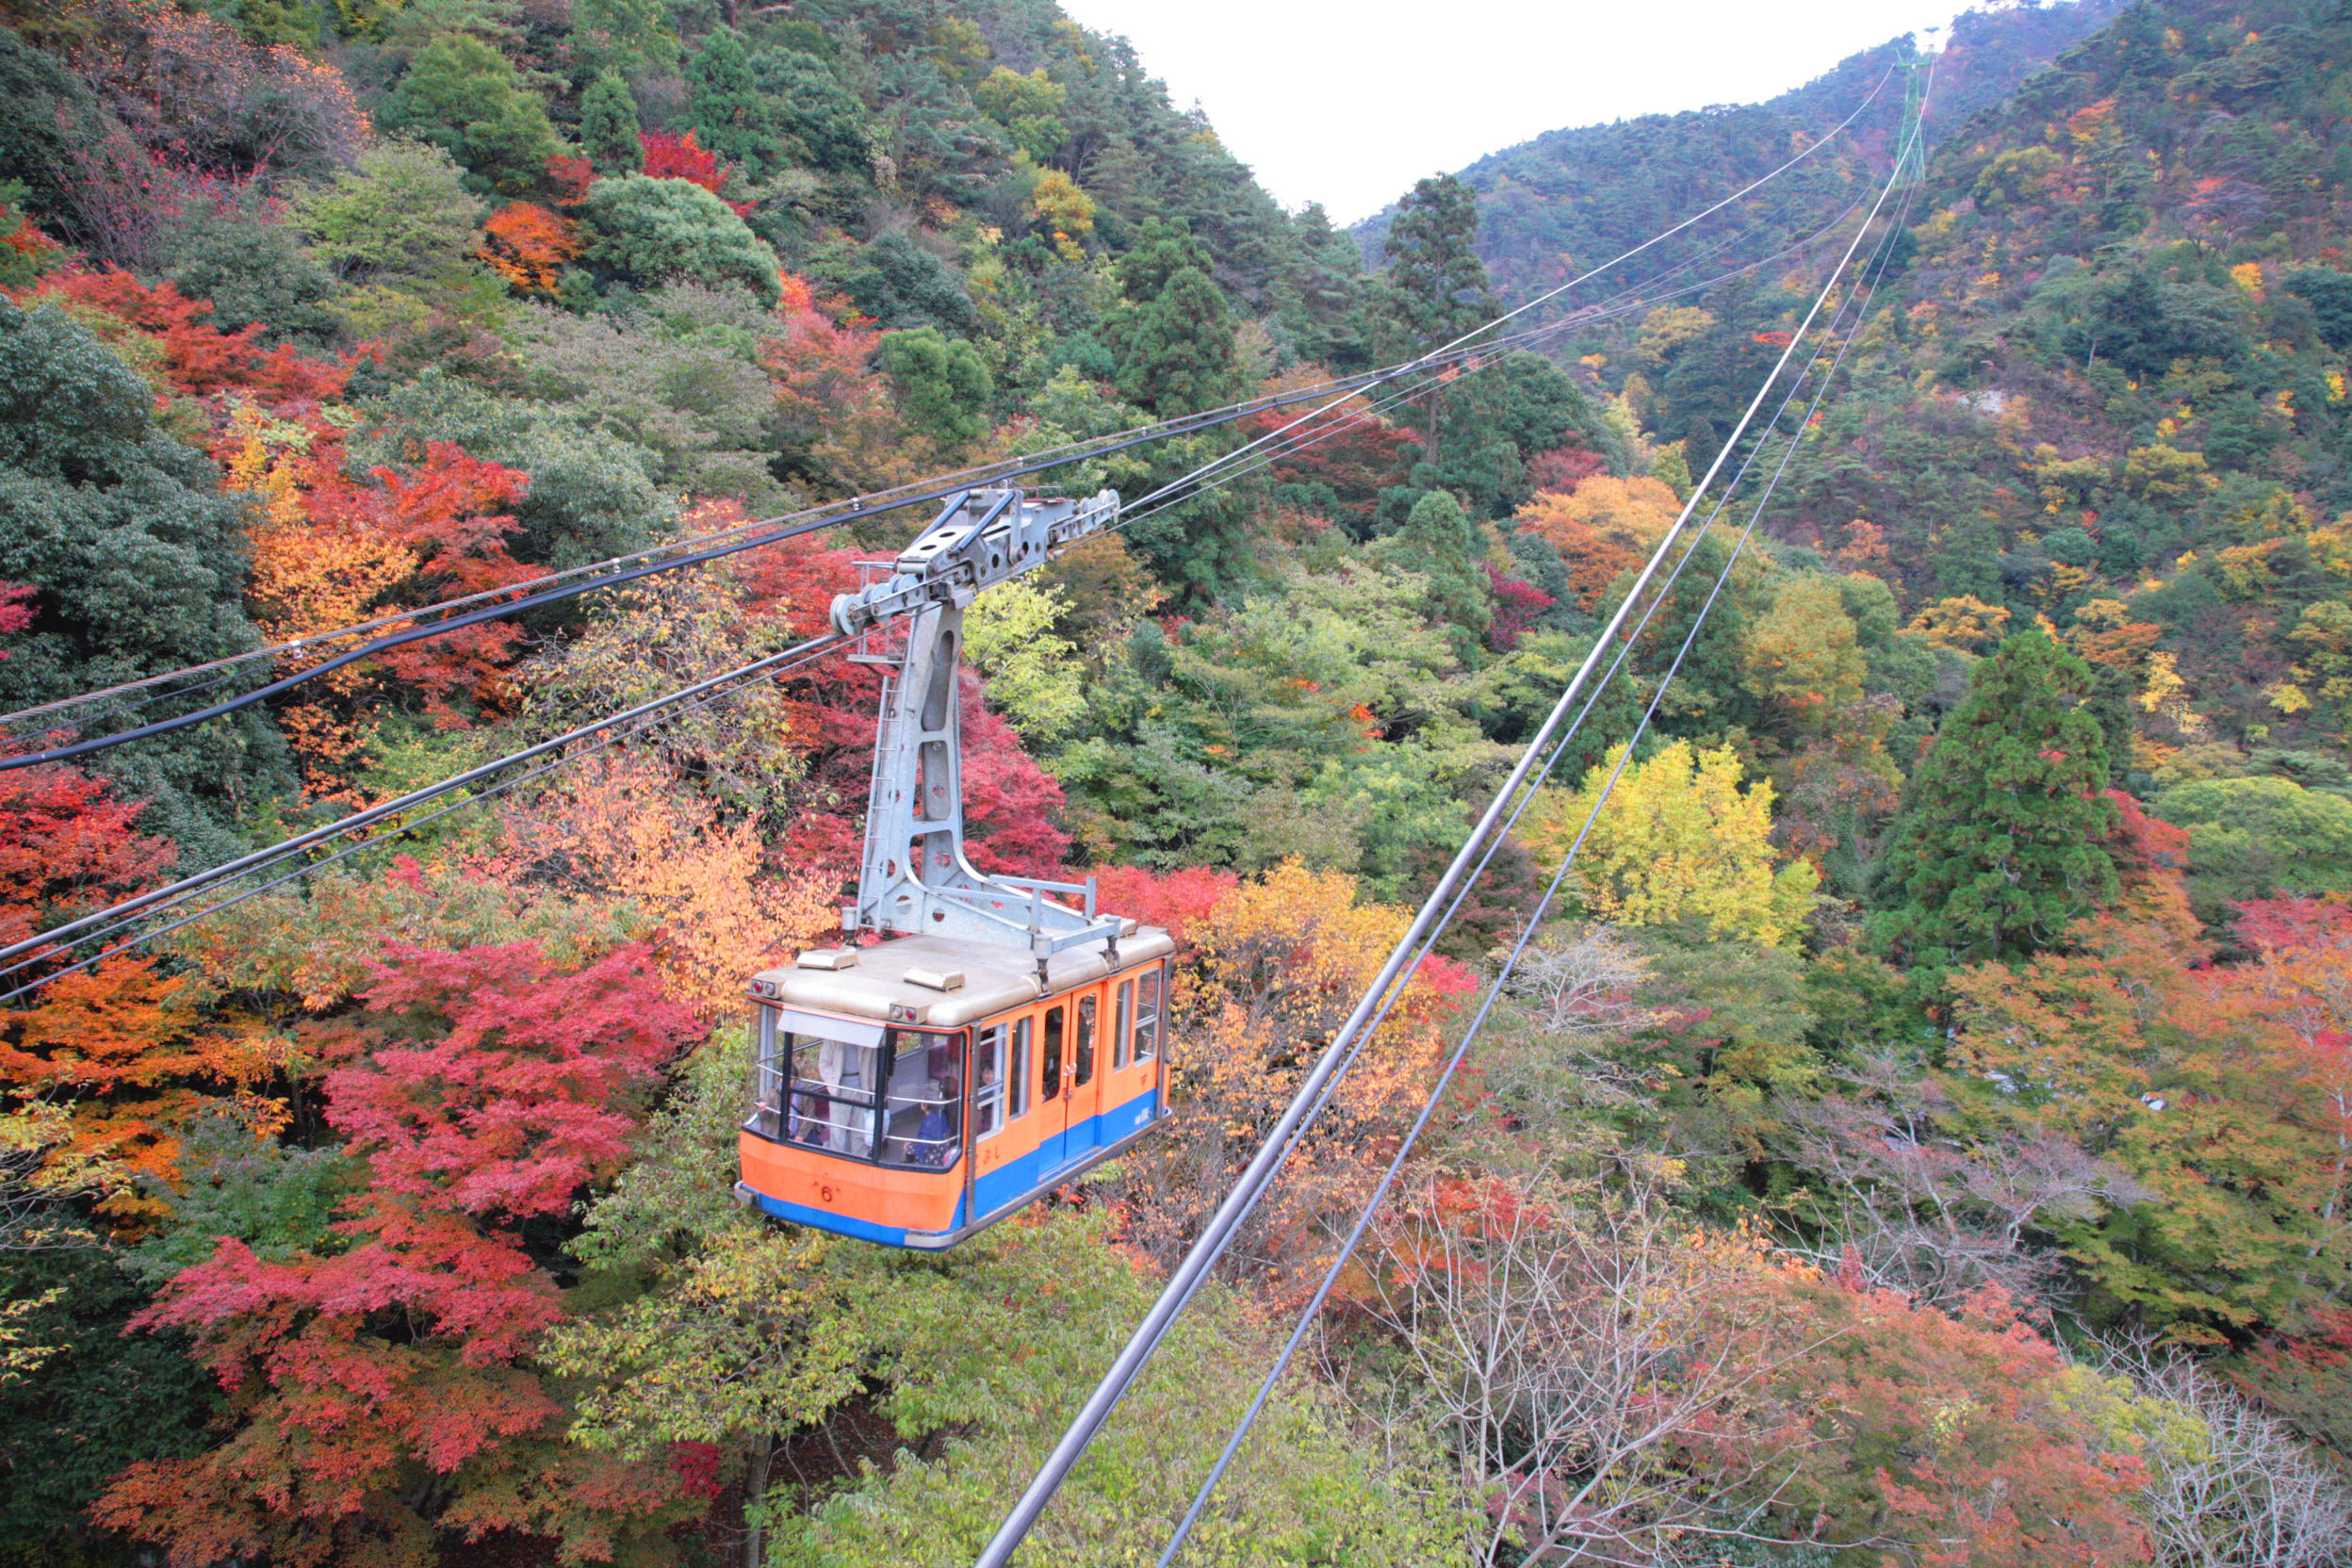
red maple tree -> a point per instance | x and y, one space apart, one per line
380 1394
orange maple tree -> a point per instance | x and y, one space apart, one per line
622 827
1275 964
332 550
1603 527
115 1065
530 247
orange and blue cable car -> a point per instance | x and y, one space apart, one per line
995 1040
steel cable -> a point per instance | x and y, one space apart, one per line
1186 1280
1313 1310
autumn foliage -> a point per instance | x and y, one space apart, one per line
681 157
69 843
483 1091
1603 527
334 550
721 909
1277 962
198 358
530 247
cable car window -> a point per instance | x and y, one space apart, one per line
1017 1077
1122 1021
1083 1073
835 1090
767 1075
924 1105
1148 1016
1052 1061
988 1082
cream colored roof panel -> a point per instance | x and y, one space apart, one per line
995 978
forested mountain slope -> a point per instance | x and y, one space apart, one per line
1917 1137
1570 199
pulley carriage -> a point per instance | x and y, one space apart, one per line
998 1040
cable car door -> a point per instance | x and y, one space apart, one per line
1054 1090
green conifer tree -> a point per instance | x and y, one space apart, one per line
819 122
1437 286
942 384
608 126
1177 353
2002 840
728 109
462 94
1445 543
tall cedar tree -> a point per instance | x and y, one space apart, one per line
729 111
609 127
1441 541
2000 844
1437 285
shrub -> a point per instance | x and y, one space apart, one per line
650 231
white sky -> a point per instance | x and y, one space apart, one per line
1349 104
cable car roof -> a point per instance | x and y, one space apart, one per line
878 983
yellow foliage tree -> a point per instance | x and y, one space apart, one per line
1801 659
1967 623
1034 675
1066 210
624 826
1276 966
1669 329
2167 475
1678 842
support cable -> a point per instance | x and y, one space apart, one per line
178 892
163 898
1559 750
1312 1312
1189 1274
311 867
30 954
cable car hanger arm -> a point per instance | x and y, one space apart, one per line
916 879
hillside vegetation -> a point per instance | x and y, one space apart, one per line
1917 1135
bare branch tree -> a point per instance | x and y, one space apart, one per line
1580 980
1914 1208
2235 1488
1602 1373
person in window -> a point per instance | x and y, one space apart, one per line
936 1137
986 1105
842 1068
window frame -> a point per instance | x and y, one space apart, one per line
903 1045
1122 1025
870 1061
1151 1003
1084 1017
778 1054
1052 1045
990 1099
1017 1079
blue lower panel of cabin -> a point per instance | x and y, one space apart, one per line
1026 1174
1002 1189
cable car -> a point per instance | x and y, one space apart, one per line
1001 1034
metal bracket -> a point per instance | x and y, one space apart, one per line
982 538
